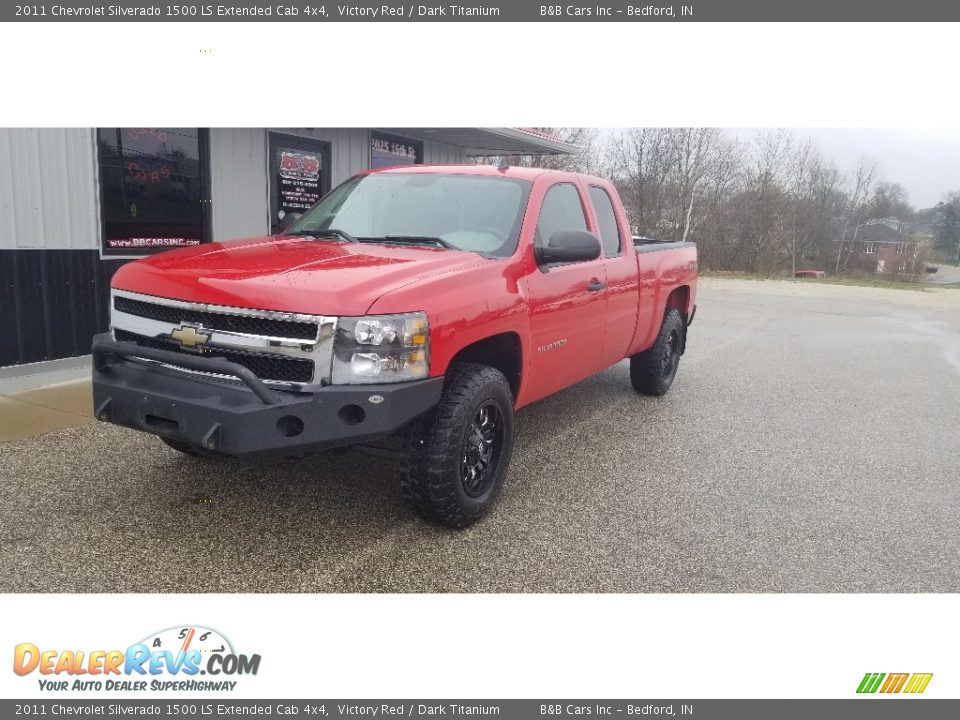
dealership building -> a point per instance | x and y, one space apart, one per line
76 203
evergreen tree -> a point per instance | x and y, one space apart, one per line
948 233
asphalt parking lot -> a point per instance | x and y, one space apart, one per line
810 444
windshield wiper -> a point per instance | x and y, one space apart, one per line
414 240
325 233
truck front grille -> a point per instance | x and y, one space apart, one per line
247 324
278 347
277 368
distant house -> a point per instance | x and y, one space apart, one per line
881 247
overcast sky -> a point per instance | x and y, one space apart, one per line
925 161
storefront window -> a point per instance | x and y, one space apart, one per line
153 187
389 150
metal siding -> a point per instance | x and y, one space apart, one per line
51 302
339 156
435 152
9 347
32 329
27 189
82 187
358 140
86 301
238 182
58 318
7 209
48 189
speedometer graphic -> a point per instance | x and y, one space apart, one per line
184 639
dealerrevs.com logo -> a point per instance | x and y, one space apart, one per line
178 659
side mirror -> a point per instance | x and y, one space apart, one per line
569 246
288 220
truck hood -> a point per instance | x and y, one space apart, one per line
288 274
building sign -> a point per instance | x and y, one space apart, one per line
153 189
387 150
299 181
298 176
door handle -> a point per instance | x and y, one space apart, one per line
596 285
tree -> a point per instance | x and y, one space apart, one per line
890 200
767 229
641 160
801 167
694 155
770 205
863 179
665 176
948 230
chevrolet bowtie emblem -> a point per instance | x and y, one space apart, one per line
188 336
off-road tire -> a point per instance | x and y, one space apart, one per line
190 449
432 472
652 371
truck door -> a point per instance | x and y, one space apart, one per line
567 302
620 263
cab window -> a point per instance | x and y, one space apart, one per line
607 221
561 210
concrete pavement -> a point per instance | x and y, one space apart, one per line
40 398
945 275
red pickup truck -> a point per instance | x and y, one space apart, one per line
427 302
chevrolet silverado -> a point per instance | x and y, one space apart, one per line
427 303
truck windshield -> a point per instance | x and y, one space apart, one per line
464 212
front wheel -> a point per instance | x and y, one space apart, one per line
652 371
458 454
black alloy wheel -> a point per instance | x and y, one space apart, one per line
482 445
671 354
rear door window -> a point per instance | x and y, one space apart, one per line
607 221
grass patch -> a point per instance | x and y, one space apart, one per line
839 280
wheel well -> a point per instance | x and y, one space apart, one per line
498 351
679 299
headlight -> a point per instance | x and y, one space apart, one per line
381 349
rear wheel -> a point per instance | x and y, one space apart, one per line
652 371
190 449
457 455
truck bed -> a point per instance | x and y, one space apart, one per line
646 244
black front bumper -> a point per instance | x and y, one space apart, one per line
246 417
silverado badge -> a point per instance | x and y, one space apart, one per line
189 336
